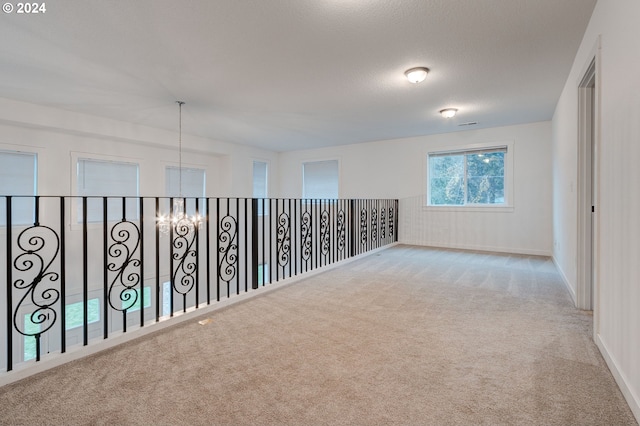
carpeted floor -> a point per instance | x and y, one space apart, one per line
411 336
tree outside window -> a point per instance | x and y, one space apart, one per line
467 178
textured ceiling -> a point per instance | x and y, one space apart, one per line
295 74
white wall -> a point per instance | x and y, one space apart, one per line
617 308
396 169
55 134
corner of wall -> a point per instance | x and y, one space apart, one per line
623 382
566 282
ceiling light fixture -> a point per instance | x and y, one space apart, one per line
448 112
416 75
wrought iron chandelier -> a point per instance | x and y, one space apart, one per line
178 220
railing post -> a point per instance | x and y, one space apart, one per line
171 247
254 243
197 245
395 218
85 273
246 244
9 285
208 256
63 280
105 273
141 204
217 249
352 228
157 254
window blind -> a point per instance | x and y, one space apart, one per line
107 178
320 179
193 182
18 176
193 186
259 179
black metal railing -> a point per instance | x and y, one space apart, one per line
78 269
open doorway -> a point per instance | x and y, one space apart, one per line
587 186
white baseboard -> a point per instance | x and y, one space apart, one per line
621 379
493 249
570 289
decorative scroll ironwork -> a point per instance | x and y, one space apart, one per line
126 240
284 239
228 248
184 273
35 262
341 230
325 236
374 224
36 266
305 236
363 226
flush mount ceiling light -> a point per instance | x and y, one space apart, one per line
416 75
448 112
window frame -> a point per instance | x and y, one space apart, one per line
507 206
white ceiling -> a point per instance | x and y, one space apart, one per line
295 74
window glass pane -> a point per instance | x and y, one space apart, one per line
29 351
259 179
260 183
467 177
320 179
136 306
166 298
74 316
18 176
193 186
485 178
446 180
107 178
263 272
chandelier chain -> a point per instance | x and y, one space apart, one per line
180 103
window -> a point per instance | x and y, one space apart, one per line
167 288
474 177
263 273
18 176
260 185
320 179
107 178
193 184
135 293
74 318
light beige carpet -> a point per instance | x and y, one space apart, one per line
413 336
